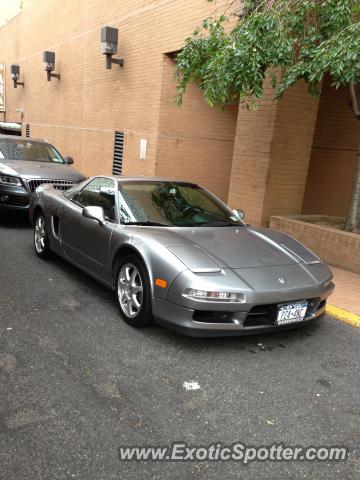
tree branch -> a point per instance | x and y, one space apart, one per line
354 101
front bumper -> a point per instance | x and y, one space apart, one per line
251 319
14 198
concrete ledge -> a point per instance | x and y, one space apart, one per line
336 247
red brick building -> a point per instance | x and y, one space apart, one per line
295 155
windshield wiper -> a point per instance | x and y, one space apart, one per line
218 223
147 224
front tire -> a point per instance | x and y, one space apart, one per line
41 239
133 291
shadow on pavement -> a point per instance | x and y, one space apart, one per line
93 286
14 220
96 289
254 343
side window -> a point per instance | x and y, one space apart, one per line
100 192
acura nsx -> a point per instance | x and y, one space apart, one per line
177 255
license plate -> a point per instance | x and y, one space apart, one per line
291 312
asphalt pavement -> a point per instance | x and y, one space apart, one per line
76 383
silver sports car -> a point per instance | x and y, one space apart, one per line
175 254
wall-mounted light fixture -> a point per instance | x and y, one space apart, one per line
109 45
49 65
15 74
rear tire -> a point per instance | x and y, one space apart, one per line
133 291
41 239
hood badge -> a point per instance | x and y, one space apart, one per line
282 280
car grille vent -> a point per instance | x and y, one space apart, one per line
16 200
118 153
261 315
212 317
58 184
27 130
322 304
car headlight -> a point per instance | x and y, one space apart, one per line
203 295
9 180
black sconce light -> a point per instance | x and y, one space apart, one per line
49 65
109 44
15 74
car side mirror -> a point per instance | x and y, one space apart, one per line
239 213
94 213
69 160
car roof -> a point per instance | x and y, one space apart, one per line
18 137
141 178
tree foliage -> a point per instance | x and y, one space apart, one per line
302 39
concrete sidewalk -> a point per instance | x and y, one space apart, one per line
346 295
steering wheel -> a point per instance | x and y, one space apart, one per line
191 208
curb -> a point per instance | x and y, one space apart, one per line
344 315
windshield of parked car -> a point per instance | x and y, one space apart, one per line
172 204
13 149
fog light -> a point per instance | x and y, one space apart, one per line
4 198
207 296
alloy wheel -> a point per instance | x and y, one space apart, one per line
40 234
130 290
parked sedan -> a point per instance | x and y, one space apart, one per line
25 164
175 254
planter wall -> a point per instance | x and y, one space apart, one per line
338 248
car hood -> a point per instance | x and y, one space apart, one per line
210 249
31 169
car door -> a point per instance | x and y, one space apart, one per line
84 241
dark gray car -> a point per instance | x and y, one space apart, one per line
25 164
176 254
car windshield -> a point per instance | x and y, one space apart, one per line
172 204
13 149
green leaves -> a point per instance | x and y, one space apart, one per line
304 39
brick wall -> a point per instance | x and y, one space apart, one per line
252 149
80 112
195 141
336 247
256 160
271 154
290 152
333 157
